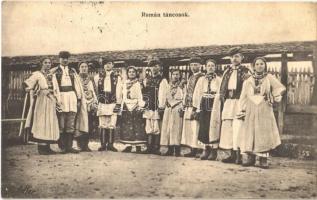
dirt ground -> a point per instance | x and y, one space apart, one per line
128 175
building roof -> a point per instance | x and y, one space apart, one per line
172 54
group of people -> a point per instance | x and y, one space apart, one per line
229 119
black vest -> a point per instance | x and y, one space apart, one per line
59 74
242 75
107 97
150 92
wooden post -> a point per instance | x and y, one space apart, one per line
166 70
314 96
282 105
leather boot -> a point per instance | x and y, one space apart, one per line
49 150
79 141
177 150
128 149
70 148
111 141
192 153
138 149
231 158
205 154
169 151
156 145
149 144
103 144
212 155
85 143
61 141
238 157
198 153
248 160
64 142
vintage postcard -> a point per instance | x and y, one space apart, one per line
144 100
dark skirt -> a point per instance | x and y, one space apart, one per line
132 126
204 119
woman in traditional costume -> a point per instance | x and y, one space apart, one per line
259 132
132 122
172 123
42 119
87 107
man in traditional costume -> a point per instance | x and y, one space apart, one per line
152 94
67 89
109 90
204 95
191 118
227 106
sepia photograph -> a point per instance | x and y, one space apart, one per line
158 100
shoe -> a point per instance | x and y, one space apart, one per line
111 148
177 150
191 154
149 145
49 150
169 152
148 150
238 157
156 150
205 154
87 149
102 148
230 159
111 141
128 149
198 153
84 143
263 163
248 160
212 155
61 141
103 140
69 147
138 149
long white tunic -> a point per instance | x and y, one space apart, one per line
172 123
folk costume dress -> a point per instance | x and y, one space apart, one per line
84 115
225 109
259 132
132 121
190 125
171 133
42 119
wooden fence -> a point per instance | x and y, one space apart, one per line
300 85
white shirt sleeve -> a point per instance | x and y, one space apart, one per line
162 93
119 90
198 92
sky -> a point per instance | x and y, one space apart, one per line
41 28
